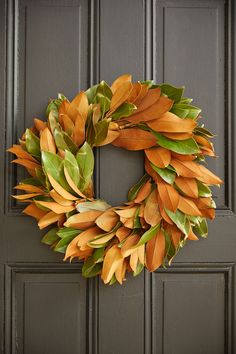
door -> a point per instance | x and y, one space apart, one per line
51 46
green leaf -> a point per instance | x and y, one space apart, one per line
32 144
91 93
104 89
104 103
203 190
139 269
174 93
59 140
125 110
62 97
148 235
98 204
68 231
72 167
85 160
148 82
52 118
42 177
137 224
101 130
180 220
204 132
90 132
113 280
132 194
63 243
185 111
69 142
185 147
92 266
53 165
165 173
32 181
186 100
201 228
50 237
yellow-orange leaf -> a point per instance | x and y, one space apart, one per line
188 207
59 199
29 188
151 210
34 211
119 81
135 139
159 156
100 240
127 212
155 251
72 249
120 95
48 219
120 271
47 142
72 184
170 123
111 263
86 236
57 208
134 260
26 196
60 190
83 220
187 185
107 220
169 196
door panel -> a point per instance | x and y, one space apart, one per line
66 46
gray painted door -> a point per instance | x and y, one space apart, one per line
66 45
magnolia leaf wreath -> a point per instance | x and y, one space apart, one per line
168 205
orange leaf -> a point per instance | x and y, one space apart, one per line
83 220
142 93
78 135
144 192
72 249
155 251
187 185
55 207
86 236
120 95
161 106
136 89
128 246
135 139
208 177
111 263
178 136
122 233
183 157
170 123
67 124
26 163
151 97
39 124
79 104
186 168
150 171
72 184
163 212
159 156
127 212
47 142
191 235
19 152
188 207
134 260
175 234
101 239
48 219
151 210
169 196
119 81
60 190
107 220
34 211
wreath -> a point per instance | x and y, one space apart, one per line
168 205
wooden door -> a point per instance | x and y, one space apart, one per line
66 45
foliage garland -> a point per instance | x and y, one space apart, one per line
168 205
